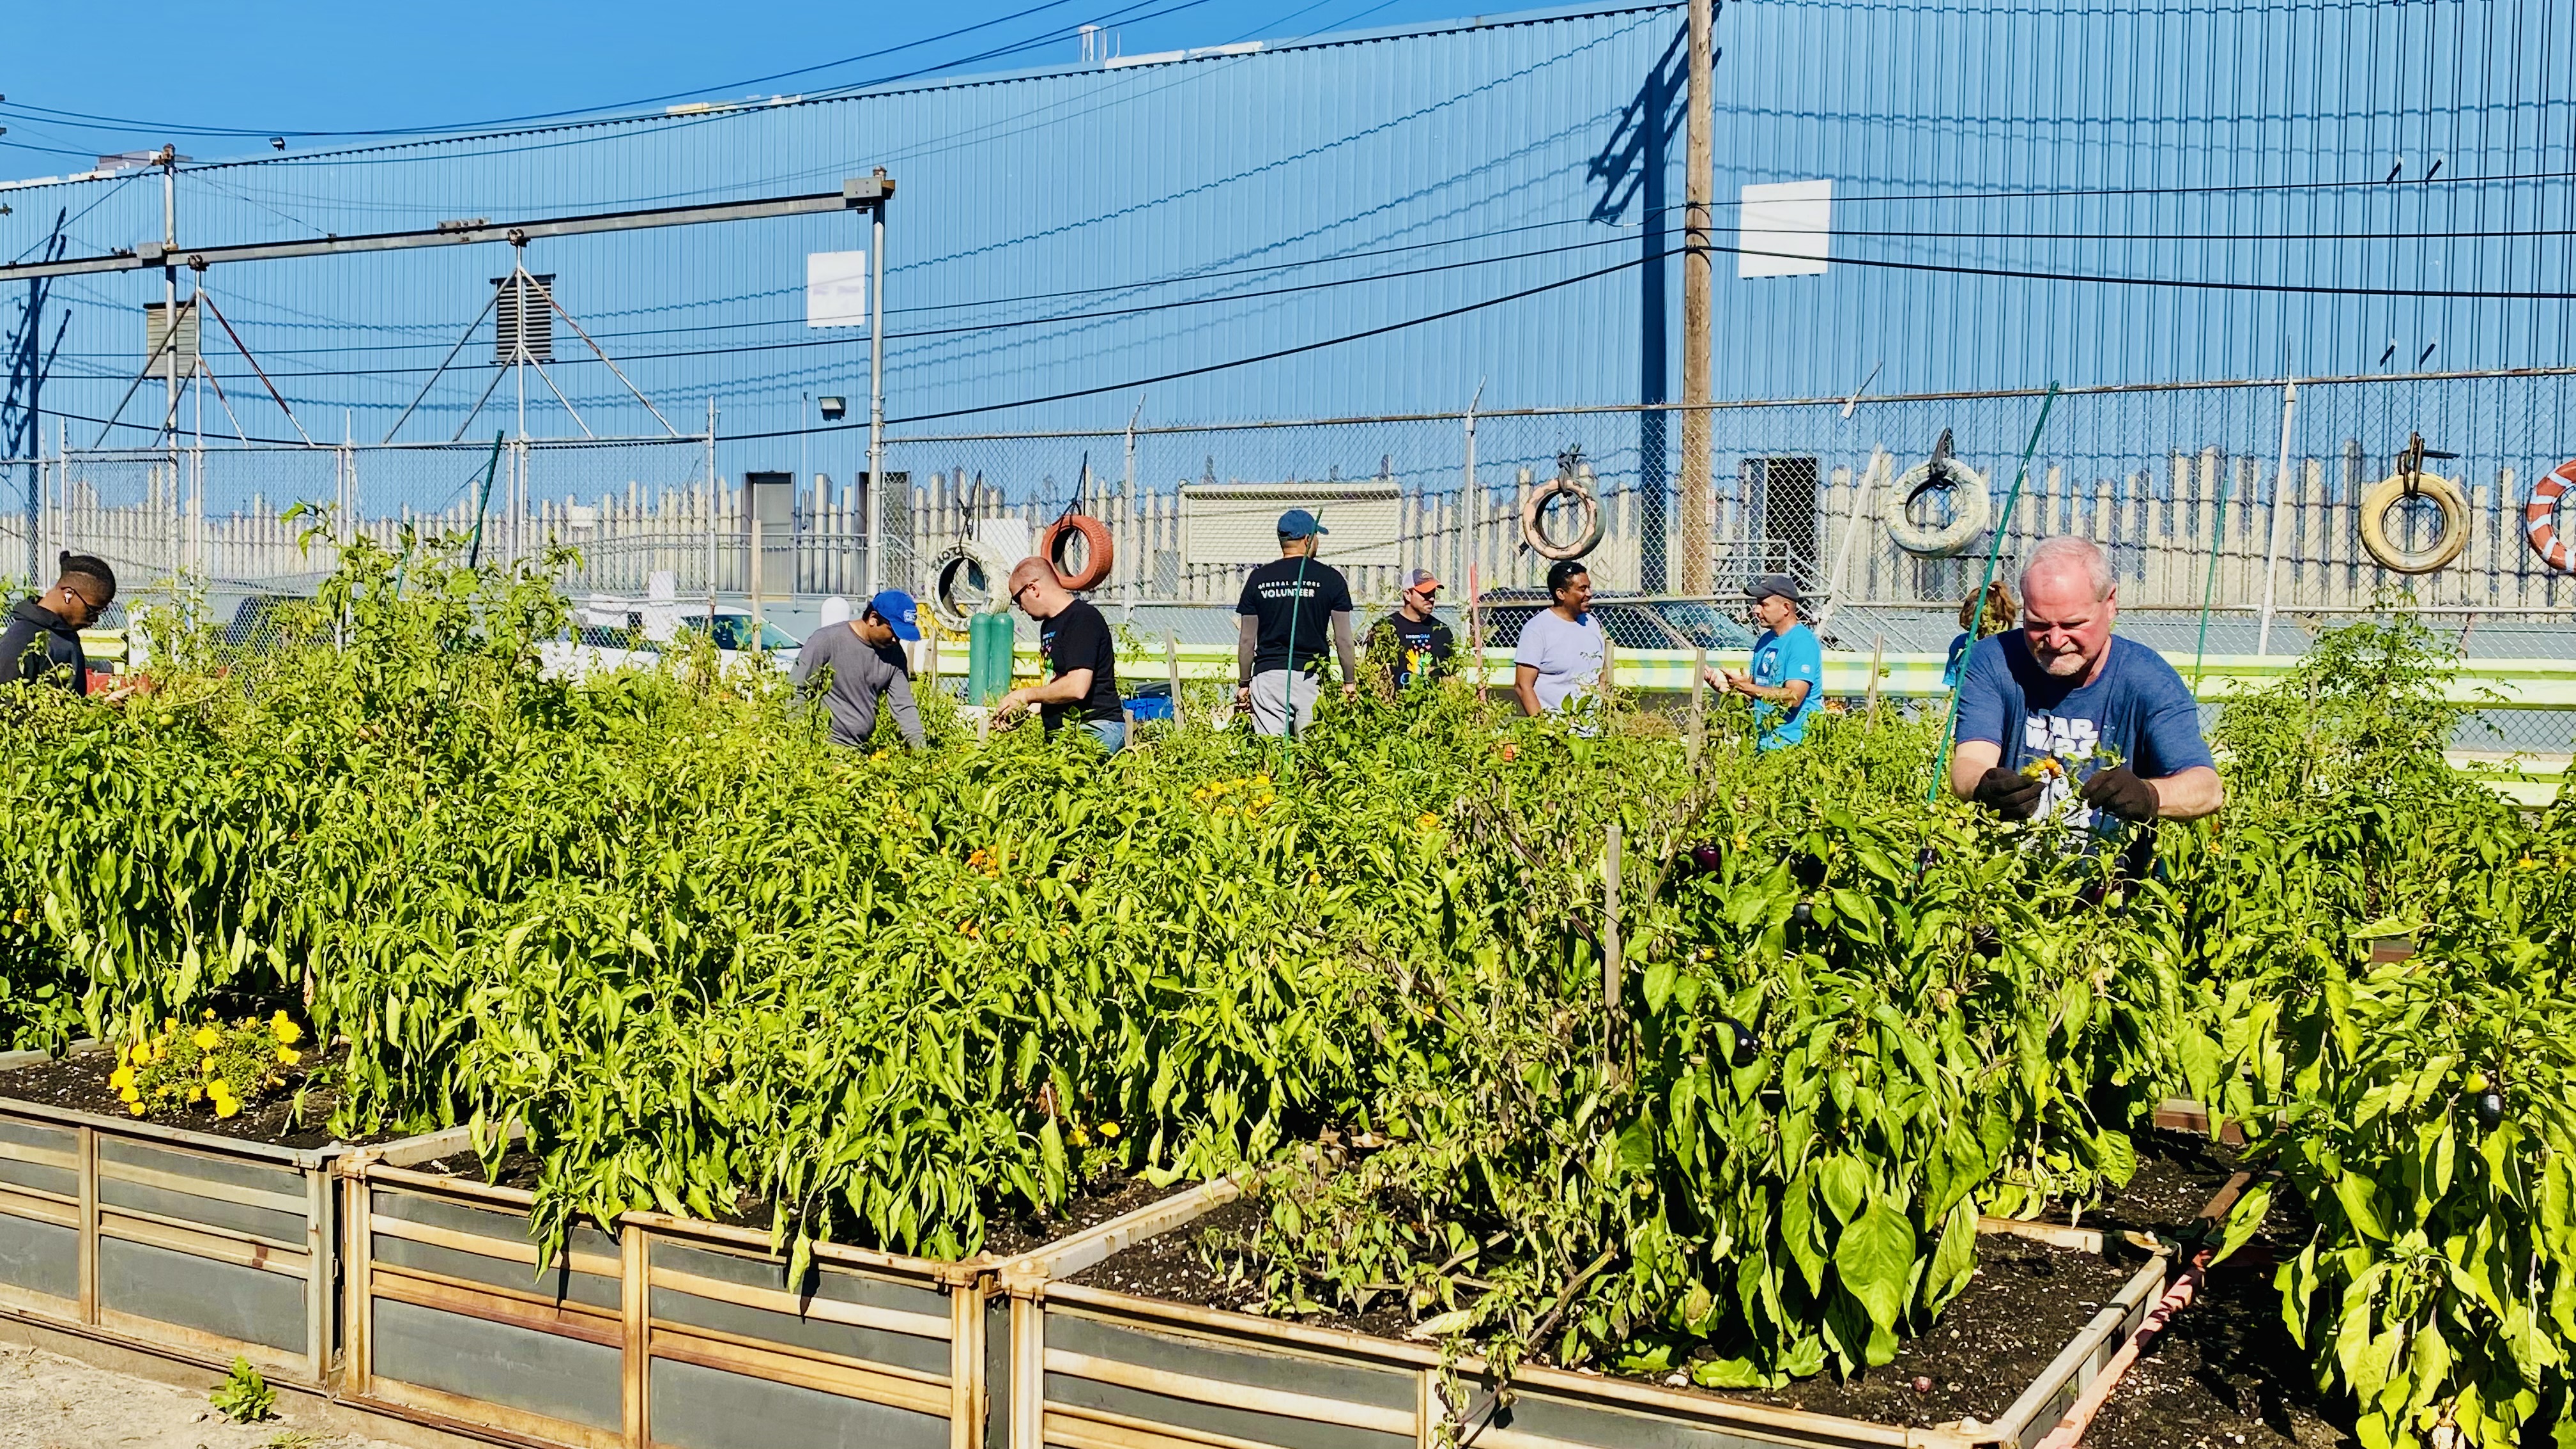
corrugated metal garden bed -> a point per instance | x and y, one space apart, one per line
201 1246
1094 1367
663 1330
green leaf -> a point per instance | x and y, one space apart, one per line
1954 1259
1845 1184
1875 1260
1659 985
2360 1204
2244 1219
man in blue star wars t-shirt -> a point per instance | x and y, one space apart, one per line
2062 717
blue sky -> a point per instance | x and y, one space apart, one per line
186 74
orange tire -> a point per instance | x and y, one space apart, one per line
1098 552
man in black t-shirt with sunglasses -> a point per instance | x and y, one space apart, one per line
1081 658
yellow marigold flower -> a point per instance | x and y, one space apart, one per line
134 1107
128 1095
287 1032
144 1055
210 1013
1109 1131
289 1055
196 1094
1428 821
206 1037
227 1107
122 1078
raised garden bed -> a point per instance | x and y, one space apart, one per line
1097 1365
202 1244
686 1333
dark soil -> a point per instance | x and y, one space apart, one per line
2224 1373
2026 1301
294 1115
1105 1197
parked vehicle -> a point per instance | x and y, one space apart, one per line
1631 623
741 641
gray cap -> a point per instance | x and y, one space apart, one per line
1770 584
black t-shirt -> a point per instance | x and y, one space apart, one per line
1079 638
1301 588
1422 650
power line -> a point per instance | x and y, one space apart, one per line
186 129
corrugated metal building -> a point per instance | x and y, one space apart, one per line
2350 186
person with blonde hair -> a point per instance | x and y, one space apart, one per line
1998 616
2063 717
1080 654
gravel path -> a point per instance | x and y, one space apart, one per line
48 1401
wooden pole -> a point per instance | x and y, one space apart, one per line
1697 735
1172 660
1877 654
1698 192
1610 948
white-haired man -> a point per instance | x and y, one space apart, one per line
2061 714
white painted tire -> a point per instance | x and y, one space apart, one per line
1587 533
1972 508
2446 545
951 576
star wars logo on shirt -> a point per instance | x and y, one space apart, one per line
2072 742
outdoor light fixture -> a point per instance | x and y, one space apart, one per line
832 407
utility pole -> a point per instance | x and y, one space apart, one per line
170 304
1698 497
876 379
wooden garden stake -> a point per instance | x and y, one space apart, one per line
1610 952
930 656
1172 660
1698 734
1877 652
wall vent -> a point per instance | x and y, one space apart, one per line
523 319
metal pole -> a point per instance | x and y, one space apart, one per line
876 397
170 301
1127 576
712 502
2280 515
1698 188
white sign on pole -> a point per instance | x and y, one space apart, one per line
836 289
1784 229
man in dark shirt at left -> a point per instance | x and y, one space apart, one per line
42 640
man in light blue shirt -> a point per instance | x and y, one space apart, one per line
1787 681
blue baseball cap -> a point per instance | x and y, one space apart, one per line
896 608
1298 523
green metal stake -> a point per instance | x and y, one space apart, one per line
1994 551
492 465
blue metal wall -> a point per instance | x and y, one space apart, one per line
1096 191
2243 144
2017 185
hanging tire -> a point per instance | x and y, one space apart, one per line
1098 551
2445 547
1972 506
1587 537
2538 528
958 574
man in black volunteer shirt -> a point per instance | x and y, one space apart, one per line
1079 653
1285 605
42 640
1423 644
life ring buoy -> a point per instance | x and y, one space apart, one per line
2538 526
1098 551
1972 506
1587 535
2384 495
958 571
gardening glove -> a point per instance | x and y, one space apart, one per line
2121 793
2008 793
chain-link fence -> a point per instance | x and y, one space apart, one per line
2183 485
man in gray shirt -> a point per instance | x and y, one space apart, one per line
866 665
